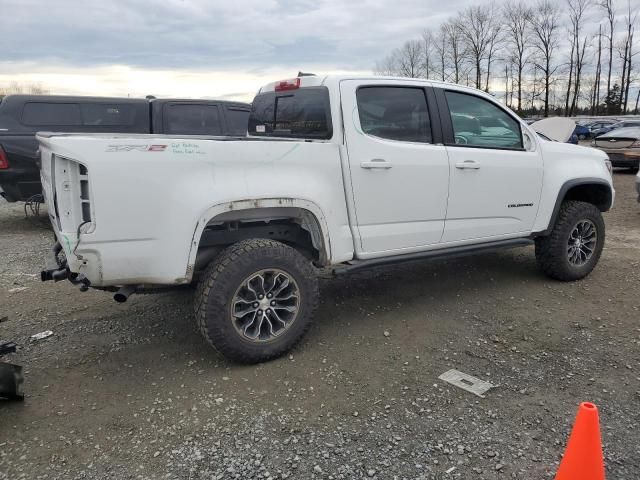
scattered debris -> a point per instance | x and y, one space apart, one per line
450 470
466 382
4 319
11 377
41 335
7 347
17 289
386 333
33 204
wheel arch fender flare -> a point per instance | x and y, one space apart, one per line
570 185
313 217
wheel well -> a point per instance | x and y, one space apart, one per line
296 227
595 193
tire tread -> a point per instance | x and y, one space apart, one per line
233 258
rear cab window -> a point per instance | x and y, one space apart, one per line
300 113
192 119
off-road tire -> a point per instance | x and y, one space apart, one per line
551 250
223 277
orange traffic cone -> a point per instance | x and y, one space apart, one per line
583 457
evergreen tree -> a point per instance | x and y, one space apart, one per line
612 100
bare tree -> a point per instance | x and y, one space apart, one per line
518 17
611 17
595 96
428 43
386 66
24 88
627 56
545 24
577 10
495 39
410 59
476 27
453 34
405 61
440 48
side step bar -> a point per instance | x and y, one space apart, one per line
452 252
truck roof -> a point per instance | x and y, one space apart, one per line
326 80
22 98
70 98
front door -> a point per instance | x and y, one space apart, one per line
399 176
496 179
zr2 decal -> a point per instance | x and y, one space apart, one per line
137 148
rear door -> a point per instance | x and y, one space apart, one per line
398 166
495 169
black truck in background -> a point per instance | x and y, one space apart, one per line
21 116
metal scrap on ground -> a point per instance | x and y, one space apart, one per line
466 382
41 335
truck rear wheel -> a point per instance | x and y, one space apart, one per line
572 249
256 300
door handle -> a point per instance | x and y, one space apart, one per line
377 163
468 165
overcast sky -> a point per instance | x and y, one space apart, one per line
196 48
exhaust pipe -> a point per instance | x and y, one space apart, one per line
59 274
55 275
123 293
60 271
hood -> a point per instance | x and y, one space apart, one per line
556 128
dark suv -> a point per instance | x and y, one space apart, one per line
21 116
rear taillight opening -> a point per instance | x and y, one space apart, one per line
284 85
4 161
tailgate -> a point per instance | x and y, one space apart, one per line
65 182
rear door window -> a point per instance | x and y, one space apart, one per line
302 113
237 120
44 114
394 113
192 119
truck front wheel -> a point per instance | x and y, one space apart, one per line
256 300
572 249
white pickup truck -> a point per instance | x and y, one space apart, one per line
337 173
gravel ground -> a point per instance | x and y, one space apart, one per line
132 391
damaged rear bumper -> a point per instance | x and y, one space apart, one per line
57 269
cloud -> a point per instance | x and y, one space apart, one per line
205 34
